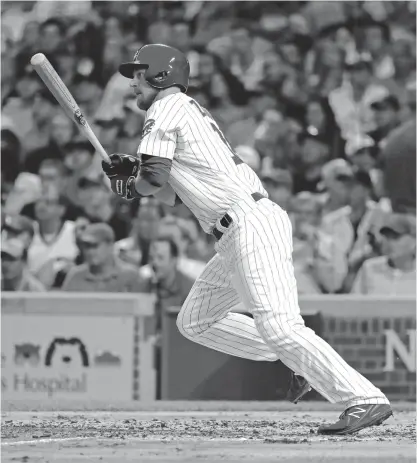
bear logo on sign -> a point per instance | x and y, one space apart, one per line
26 354
67 353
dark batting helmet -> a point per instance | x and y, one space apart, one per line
165 66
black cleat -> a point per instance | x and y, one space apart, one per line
298 388
356 418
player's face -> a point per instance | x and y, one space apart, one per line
145 94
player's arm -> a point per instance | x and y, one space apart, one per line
156 151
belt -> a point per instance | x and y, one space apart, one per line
226 220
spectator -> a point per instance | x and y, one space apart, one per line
78 159
245 64
18 227
130 134
54 238
393 274
135 248
52 35
376 42
19 107
241 132
319 119
278 183
386 116
63 266
101 271
180 231
61 133
44 109
169 283
108 131
336 176
87 94
99 205
361 153
351 102
10 156
14 273
53 179
314 153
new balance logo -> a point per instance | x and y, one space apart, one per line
357 411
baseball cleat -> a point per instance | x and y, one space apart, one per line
356 418
298 388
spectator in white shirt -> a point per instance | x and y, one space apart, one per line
351 103
394 273
54 238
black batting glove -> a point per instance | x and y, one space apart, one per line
124 187
124 165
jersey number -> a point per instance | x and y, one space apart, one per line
205 113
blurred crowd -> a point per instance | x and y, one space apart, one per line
318 97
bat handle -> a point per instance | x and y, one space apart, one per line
99 147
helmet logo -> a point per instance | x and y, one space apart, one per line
161 76
136 57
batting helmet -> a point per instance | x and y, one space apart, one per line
165 66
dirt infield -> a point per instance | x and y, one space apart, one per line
195 431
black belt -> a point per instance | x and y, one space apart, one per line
226 220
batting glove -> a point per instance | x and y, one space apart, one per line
125 187
123 165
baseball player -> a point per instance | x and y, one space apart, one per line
183 150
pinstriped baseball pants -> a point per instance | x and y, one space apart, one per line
253 266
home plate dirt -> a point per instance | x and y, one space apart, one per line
197 431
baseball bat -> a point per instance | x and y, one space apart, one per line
60 91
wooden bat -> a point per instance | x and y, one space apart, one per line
60 91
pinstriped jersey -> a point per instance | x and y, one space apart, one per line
204 172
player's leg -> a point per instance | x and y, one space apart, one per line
264 277
205 316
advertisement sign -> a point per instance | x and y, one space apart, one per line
72 354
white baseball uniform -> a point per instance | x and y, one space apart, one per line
253 264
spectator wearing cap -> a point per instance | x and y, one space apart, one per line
61 133
399 160
18 227
314 153
101 272
54 238
361 153
351 229
14 273
279 185
351 102
386 117
249 156
394 273
44 109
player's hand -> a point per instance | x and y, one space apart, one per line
121 165
124 186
